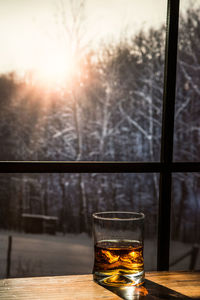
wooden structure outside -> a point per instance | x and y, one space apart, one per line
158 285
33 223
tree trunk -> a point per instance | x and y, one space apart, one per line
63 209
181 210
83 209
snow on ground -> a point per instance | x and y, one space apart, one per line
35 255
43 255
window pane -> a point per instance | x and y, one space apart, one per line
81 80
185 234
187 121
49 218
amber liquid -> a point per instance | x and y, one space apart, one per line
119 262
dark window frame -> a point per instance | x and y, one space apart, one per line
165 167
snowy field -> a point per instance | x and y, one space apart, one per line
42 255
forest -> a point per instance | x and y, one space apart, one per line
109 110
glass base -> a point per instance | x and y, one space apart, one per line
119 279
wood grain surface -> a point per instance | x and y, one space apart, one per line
82 287
186 283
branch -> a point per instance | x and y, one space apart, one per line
195 68
189 78
129 119
183 106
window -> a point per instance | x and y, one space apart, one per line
185 221
116 159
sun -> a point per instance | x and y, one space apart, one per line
51 62
54 68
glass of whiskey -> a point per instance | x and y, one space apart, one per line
118 248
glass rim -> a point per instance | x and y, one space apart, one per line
136 216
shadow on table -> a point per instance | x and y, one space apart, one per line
149 291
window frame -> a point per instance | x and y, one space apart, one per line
165 167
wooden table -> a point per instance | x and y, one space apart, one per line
158 285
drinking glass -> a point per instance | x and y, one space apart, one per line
118 248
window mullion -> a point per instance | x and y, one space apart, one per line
167 134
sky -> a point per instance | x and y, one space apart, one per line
30 36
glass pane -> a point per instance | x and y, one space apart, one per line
187 121
81 80
49 218
185 234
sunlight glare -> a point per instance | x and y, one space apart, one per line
54 68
